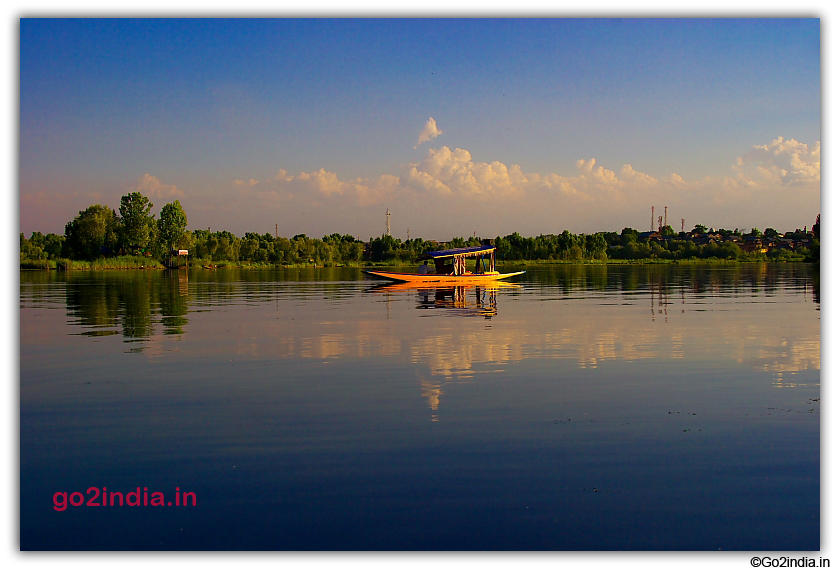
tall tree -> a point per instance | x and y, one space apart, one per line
136 221
629 235
171 226
92 233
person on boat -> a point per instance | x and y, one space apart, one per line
424 269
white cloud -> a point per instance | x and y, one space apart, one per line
430 131
639 178
594 198
327 183
445 171
790 162
151 186
453 173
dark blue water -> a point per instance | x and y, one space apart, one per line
586 408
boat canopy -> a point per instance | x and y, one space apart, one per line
454 261
475 251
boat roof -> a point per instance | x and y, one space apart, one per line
462 251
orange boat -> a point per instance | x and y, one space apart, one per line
451 267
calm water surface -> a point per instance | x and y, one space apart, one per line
579 408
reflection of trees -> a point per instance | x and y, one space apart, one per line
96 306
698 279
174 301
235 285
127 302
136 305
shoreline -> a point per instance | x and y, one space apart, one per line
99 266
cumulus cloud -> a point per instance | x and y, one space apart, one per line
445 171
592 195
151 186
639 178
455 173
430 131
788 161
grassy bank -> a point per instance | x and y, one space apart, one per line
138 262
119 262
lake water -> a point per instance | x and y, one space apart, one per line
578 408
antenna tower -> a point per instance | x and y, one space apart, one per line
387 221
683 225
666 215
651 217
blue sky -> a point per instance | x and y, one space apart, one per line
315 125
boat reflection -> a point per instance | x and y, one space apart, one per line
458 300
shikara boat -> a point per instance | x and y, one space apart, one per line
450 267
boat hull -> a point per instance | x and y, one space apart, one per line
448 279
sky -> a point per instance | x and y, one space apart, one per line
454 126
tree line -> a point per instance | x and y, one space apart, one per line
630 244
99 232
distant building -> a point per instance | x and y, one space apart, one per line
753 243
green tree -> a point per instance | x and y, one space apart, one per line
730 250
284 251
171 226
815 243
384 248
137 223
599 247
92 233
629 235
53 244
248 247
